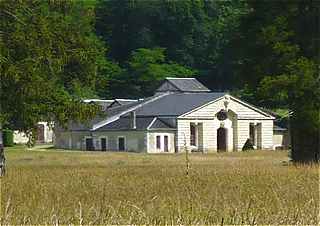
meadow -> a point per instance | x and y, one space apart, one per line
48 186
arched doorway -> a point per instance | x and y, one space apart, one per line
222 139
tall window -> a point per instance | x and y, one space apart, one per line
121 144
166 143
103 141
193 135
89 144
158 140
251 132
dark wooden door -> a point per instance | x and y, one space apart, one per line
103 144
222 139
40 133
121 144
89 144
166 144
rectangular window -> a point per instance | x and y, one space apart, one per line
193 134
103 144
158 141
89 144
121 144
251 132
166 143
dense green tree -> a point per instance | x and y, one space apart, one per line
195 34
279 55
50 58
299 86
146 69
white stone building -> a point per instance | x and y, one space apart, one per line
182 114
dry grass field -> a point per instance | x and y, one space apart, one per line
72 187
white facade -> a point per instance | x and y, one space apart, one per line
45 134
281 140
236 126
141 141
153 147
19 137
198 130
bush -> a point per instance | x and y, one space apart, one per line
248 145
7 136
305 129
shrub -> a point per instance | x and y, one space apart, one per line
248 145
7 136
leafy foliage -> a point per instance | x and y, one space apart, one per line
146 69
50 58
299 86
285 72
196 34
7 136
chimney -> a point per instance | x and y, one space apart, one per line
133 120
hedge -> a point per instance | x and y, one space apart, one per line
7 136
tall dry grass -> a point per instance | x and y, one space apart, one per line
52 187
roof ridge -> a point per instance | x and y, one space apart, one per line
180 78
126 99
199 93
96 100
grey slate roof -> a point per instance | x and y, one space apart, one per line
110 103
118 109
171 122
123 123
173 104
142 123
170 105
119 102
187 84
165 106
175 97
164 123
176 104
108 111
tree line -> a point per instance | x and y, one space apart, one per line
55 53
